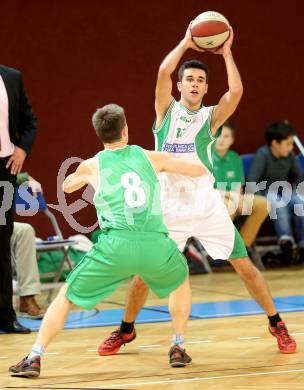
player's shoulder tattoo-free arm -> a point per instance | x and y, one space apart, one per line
163 90
83 175
165 162
230 100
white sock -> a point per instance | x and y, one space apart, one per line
37 350
178 339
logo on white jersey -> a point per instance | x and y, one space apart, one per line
179 148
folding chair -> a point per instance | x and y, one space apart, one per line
246 160
300 159
196 254
28 205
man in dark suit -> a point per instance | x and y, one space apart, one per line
18 126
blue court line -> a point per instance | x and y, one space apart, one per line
150 314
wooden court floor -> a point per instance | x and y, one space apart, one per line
228 353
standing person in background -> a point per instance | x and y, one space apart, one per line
18 127
229 180
276 164
24 258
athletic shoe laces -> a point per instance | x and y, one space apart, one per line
113 337
283 333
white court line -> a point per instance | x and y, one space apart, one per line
3 357
51 353
93 325
92 350
187 342
248 338
114 386
297 334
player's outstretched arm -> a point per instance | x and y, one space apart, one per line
230 100
81 177
163 91
165 162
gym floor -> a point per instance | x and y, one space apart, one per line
227 339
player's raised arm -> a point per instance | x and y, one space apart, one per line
232 97
84 174
165 162
163 91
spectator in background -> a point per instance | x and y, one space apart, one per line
229 180
23 246
276 164
18 126
24 258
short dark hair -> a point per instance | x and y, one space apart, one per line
108 122
279 131
192 64
230 127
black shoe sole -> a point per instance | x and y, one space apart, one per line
25 374
9 331
180 364
26 315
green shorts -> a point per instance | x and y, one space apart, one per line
117 256
239 250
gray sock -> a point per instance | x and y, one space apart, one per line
37 350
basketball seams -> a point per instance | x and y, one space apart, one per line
210 15
211 42
209 28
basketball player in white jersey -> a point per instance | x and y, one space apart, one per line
192 207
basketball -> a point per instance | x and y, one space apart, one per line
210 30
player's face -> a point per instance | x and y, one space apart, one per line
193 87
225 140
283 148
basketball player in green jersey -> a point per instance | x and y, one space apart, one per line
134 239
191 206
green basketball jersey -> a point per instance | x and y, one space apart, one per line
128 196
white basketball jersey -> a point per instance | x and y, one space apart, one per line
187 134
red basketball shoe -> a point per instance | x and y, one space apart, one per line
286 343
112 344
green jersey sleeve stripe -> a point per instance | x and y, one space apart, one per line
212 137
165 118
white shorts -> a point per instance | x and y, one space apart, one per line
214 228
